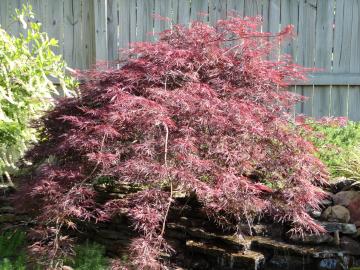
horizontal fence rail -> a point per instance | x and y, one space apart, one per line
328 36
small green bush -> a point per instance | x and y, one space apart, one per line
350 164
334 143
27 65
90 256
12 254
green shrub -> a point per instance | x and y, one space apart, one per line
90 256
27 65
12 254
334 143
350 164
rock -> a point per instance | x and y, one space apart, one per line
8 218
336 213
309 239
354 209
340 183
344 198
350 245
271 246
231 242
315 214
326 203
289 262
344 228
336 263
354 186
7 209
219 258
65 267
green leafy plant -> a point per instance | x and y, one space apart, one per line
90 256
12 255
28 67
350 164
336 140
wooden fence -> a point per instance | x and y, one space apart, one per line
328 36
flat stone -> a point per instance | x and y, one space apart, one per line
290 262
340 183
5 218
246 260
345 228
316 239
350 245
336 213
232 242
7 209
282 248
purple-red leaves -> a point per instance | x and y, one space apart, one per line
204 111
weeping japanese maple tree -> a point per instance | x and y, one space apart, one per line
201 111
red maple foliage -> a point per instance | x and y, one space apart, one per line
203 110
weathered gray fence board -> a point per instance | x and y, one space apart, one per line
162 9
183 11
236 7
253 8
101 44
342 36
112 29
354 91
198 10
328 36
323 52
217 10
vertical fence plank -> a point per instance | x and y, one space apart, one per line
253 8
183 8
3 13
73 33
112 30
54 23
13 28
217 10
124 24
162 9
198 10
101 44
88 34
237 6
274 24
323 53
144 20
306 47
342 36
354 91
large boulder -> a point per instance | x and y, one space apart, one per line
354 209
351 200
344 198
336 213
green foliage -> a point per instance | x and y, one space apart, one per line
12 255
350 164
90 256
334 143
27 65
